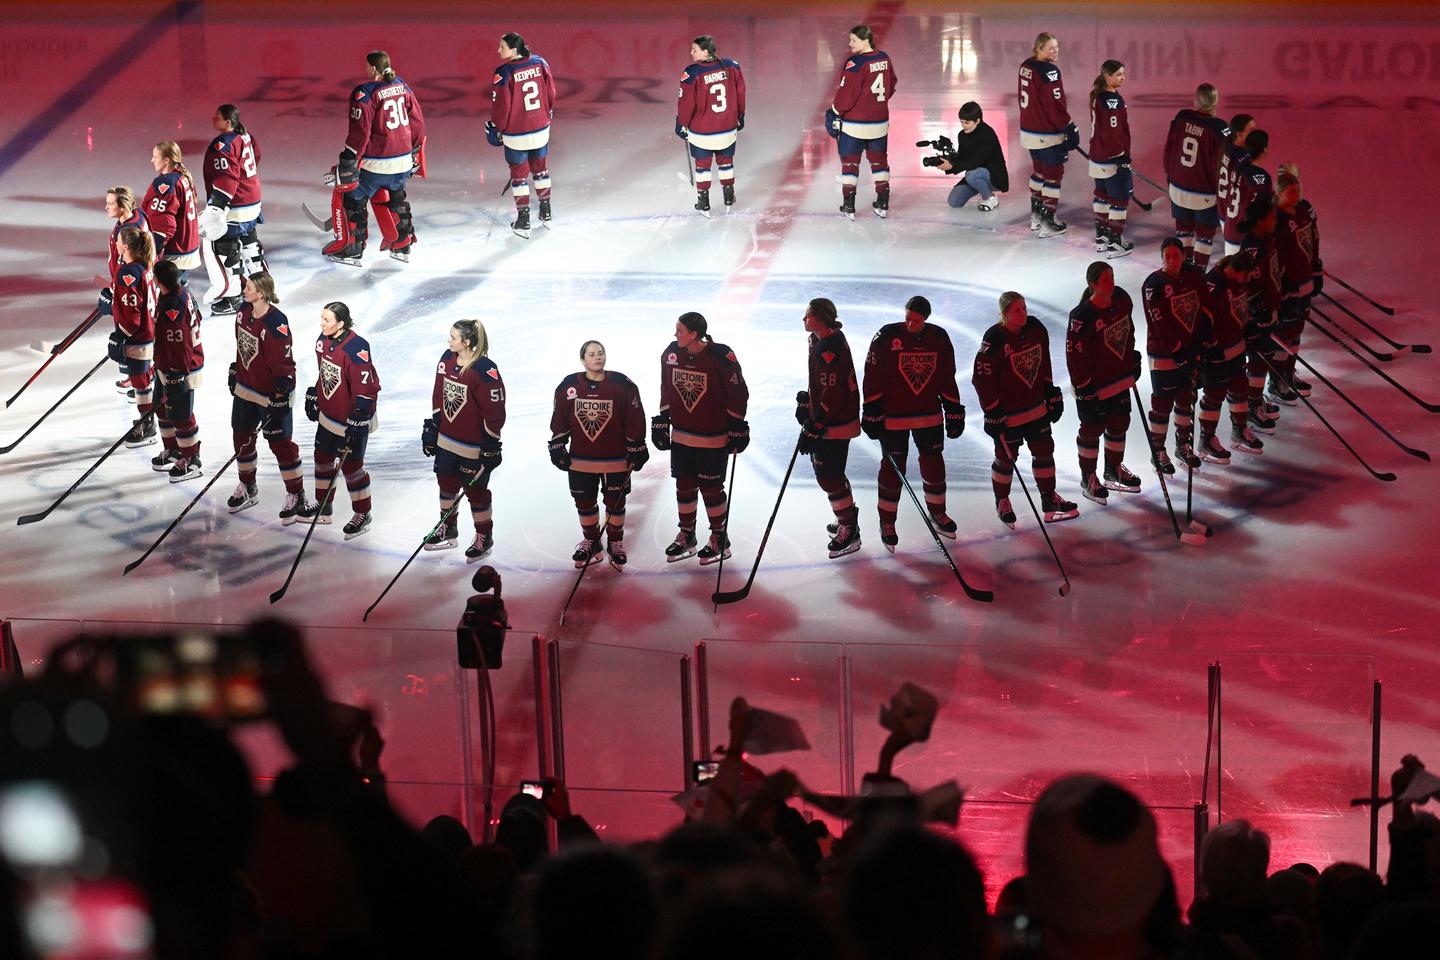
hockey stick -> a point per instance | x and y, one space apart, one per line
689 167
1152 183
58 349
983 596
1138 202
1015 471
1377 354
326 225
725 529
1191 524
1417 454
734 596
1431 407
37 517
1190 538
319 511
1388 311
583 570
1400 347
1384 477
444 519
176 522
11 446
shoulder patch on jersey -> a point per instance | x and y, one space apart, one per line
172 314
850 64
895 344
283 329
1052 75
129 278
569 393
493 373
359 93
670 358
162 187
828 356
497 79
363 356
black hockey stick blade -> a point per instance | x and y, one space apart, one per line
1383 477
326 225
11 446
725 535
1381 355
176 522
980 596
319 510
1414 347
37 517
1388 311
734 596
1425 404
444 519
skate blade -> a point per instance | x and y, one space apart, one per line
1061 517
890 546
680 556
1192 539
1117 254
1103 501
1119 487
705 213
849 216
882 214
399 256
846 551
442 545
593 559
947 534
522 234
1248 452
617 567
345 261
706 561
482 556
1220 460
243 507
1009 523
189 476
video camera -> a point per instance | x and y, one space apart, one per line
944 149
480 635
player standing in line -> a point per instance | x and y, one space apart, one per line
120 207
597 436
1014 382
342 403
859 119
1234 157
1103 362
382 150
1258 243
170 207
703 396
463 435
829 417
262 379
909 389
232 208
522 95
1110 161
1227 314
1047 131
1248 182
1173 296
179 362
1193 149
132 342
1297 241
710 116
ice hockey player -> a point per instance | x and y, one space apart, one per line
710 116
859 119
383 148
463 435
1104 364
1302 277
909 390
1234 157
1017 392
1193 149
1227 314
119 207
232 207
132 342
522 93
829 417
1172 297
170 208
597 436
1257 241
1047 131
1249 182
179 366
703 398
262 379
342 403
1110 165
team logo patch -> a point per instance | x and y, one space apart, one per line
828 357
452 400
691 385
363 356
172 314
569 393
1186 308
895 344
498 80
129 279
493 374
359 94
1026 363
917 368
592 416
247 346
162 188
329 377
671 359
1117 338
283 329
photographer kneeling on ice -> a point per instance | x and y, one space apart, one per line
977 157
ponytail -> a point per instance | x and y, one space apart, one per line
380 61
170 151
517 43
472 332
231 115
1108 69
696 324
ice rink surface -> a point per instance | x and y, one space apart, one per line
1318 580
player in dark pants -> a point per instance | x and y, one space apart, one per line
342 403
1173 296
859 120
179 364
1104 364
1110 165
829 417
523 104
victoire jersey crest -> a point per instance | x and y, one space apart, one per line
452 400
329 377
1117 338
917 367
1026 363
593 415
247 346
690 385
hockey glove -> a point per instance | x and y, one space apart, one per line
312 405
810 434
211 223
357 429
230 380
739 435
637 455
415 160
1124 162
115 349
1137 365
1055 403
329 178
490 456
954 420
740 122
872 421
430 436
681 132
106 298
994 425
802 407
660 431
278 410
347 171
832 123
492 134
1317 280
559 454
1072 137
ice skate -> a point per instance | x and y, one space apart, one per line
1005 512
142 432
702 204
520 226
888 536
1093 490
445 536
1056 508
164 460
615 550
1121 479
185 468
586 553
846 541
717 548
357 525
1245 441
684 546
943 524
246 495
480 548
1213 450
545 215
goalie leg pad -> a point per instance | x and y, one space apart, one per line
398 207
384 218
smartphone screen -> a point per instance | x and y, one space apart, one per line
533 788
704 770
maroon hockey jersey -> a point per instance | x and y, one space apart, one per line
1227 312
386 125
600 418
702 392
1109 127
232 169
834 394
170 208
348 385
137 219
264 355
1232 159
1012 373
1265 280
1193 149
177 335
523 101
862 100
134 310
1044 112
910 375
470 404
1098 344
1172 315
1297 243
1250 183
712 100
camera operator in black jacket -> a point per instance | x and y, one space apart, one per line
978 159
